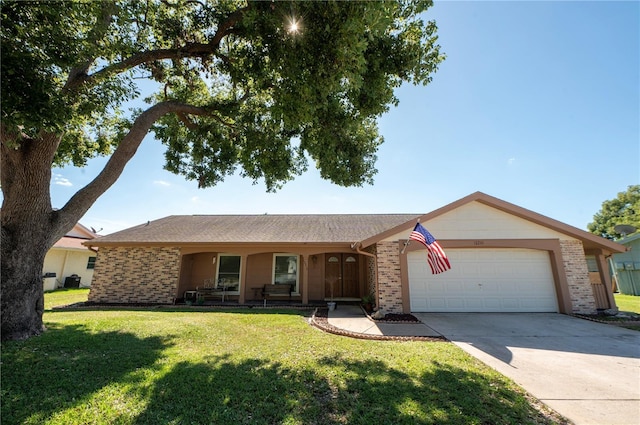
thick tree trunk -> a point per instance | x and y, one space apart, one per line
30 226
28 230
22 302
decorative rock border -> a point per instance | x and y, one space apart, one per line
320 320
631 321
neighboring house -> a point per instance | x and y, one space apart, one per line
504 258
70 260
626 266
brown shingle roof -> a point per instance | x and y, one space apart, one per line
314 228
70 242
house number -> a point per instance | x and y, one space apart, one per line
476 243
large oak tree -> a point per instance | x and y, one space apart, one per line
256 86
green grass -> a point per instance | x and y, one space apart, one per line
62 297
248 366
629 303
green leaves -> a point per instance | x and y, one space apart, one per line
267 98
624 209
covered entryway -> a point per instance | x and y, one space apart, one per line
483 280
342 276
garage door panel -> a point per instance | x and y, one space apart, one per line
495 304
488 270
490 287
508 303
421 304
491 280
435 303
453 303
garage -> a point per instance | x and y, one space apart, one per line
483 280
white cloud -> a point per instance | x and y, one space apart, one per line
61 181
511 161
161 183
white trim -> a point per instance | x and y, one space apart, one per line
296 289
228 254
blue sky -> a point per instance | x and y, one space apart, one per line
537 103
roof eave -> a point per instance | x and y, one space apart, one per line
589 240
213 243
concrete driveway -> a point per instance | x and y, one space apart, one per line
588 372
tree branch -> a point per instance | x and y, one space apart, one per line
79 74
85 197
189 50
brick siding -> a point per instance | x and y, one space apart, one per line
135 275
389 281
371 270
577 272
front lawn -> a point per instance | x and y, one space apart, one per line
249 366
62 297
629 303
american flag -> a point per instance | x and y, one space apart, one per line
436 257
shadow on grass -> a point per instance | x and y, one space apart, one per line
331 391
63 367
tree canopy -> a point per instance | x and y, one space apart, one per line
247 88
623 209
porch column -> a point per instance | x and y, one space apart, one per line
605 278
305 279
560 280
243 277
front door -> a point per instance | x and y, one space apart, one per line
342 280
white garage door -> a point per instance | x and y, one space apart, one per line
483 280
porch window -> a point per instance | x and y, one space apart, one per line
285 269
592 264
229 272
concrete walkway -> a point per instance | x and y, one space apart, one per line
351 318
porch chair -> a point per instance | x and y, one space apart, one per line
211 288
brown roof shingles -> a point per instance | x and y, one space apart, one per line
312 228
70 242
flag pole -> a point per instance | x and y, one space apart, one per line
406 243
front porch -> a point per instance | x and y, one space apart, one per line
242 276
221 300
259 304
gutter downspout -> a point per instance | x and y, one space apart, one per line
356 245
